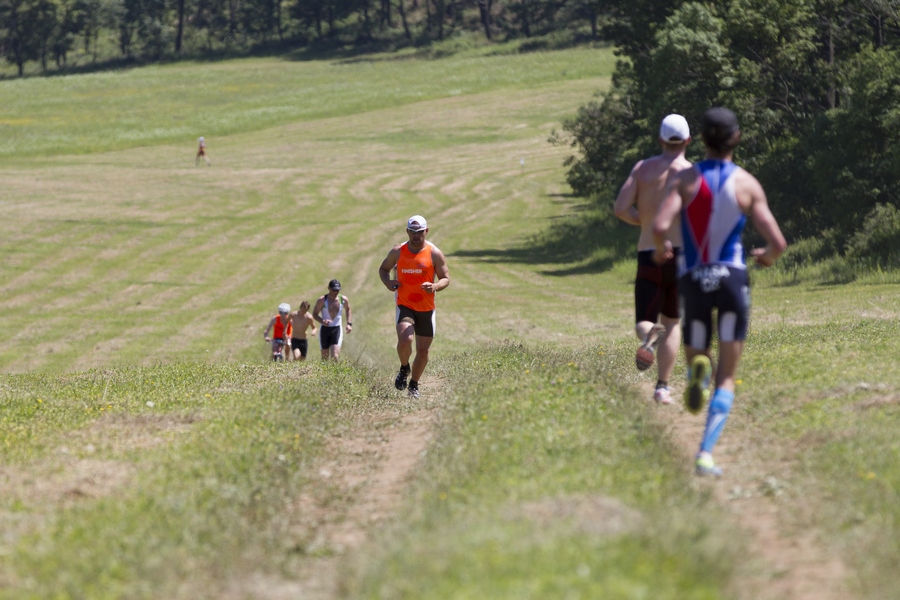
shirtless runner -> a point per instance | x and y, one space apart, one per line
655 287
301 321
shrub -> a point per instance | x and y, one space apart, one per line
877 243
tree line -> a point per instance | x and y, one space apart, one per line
815 84
47 31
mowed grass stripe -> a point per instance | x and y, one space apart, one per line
208 252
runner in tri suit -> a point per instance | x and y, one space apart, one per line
714 198
328 313
282 333
418 263
201 151
301 321
655 286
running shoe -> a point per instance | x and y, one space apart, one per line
662 395
413 393
644 357
706 467
400 381
696 395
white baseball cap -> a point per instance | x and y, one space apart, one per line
417 223
674 128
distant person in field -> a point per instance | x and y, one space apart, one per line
201 152
327 312
419 263
656 286
300 322
280 325
714 199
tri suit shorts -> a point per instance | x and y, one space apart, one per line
330 336
721 287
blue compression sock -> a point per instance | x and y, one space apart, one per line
716 417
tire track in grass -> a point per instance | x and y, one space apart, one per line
787 564
357 488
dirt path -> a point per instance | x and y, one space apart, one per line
788 563
359 487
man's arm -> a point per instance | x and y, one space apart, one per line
764 222
318 308
271 324
441 271
384 271
312 323
626 201
665 217
349 313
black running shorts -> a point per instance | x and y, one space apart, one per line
423 321
301 345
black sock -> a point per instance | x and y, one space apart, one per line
405 368
413 385
661 384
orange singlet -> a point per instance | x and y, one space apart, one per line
278 332
412 271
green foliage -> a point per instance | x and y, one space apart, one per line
877 242
855 161
816 100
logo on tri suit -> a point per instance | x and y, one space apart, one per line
710 277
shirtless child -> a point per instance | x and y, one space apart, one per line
301 321
655 287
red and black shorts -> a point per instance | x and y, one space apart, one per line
655 288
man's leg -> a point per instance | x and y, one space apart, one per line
668 354
335 352
405 333
720 405
642 328
423 344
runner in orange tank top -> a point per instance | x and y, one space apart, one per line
418 264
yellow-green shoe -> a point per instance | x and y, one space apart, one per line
706 467
697 393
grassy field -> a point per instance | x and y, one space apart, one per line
146 440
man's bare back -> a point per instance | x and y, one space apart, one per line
644 192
